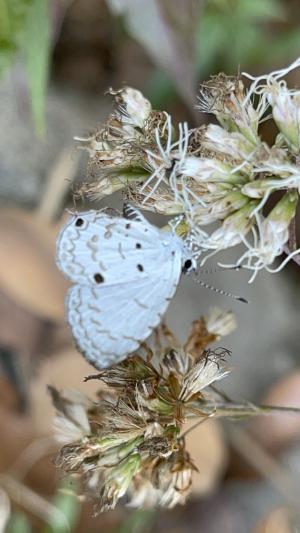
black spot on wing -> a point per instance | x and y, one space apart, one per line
98 278
79 222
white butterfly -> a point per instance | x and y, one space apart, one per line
125 272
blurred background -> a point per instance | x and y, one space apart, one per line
57 60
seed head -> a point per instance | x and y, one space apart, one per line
129 440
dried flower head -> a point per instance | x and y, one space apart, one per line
131 440
223 173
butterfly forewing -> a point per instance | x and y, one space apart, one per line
96 248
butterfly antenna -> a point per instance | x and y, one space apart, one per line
218 269
220 291
130 212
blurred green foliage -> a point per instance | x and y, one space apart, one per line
228 34
236 33
63 519
138 521
13 15
37 57
18 524
67 506
25 34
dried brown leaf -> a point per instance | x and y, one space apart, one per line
278 431
27 264
208 452
63 370
277 521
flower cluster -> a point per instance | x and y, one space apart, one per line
131 439
219 173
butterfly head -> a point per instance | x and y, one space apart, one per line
189 264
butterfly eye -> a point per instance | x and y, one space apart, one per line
188 266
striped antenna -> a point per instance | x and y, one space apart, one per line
131 213
219 291
218 269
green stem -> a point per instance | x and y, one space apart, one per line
236 410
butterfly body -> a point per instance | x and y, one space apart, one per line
125 273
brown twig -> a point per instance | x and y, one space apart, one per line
59 179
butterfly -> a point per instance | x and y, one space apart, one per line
125 271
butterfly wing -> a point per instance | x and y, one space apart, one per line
110 321
96 248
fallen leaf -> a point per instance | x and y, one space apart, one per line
278 521
277 431
63 370
28 272
208 451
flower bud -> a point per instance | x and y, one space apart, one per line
115 454
286 113
274 230
134 108
232 144
208 169
257 188
118 480
284 210
220 209
234 227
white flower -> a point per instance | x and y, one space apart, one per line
165 163
71 422
232 144
204 373
286 113
232 231
134 109
177 491
207 169
285 103
160 201
270 237
174 479
220 208
143 494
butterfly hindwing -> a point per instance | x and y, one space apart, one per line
109 322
